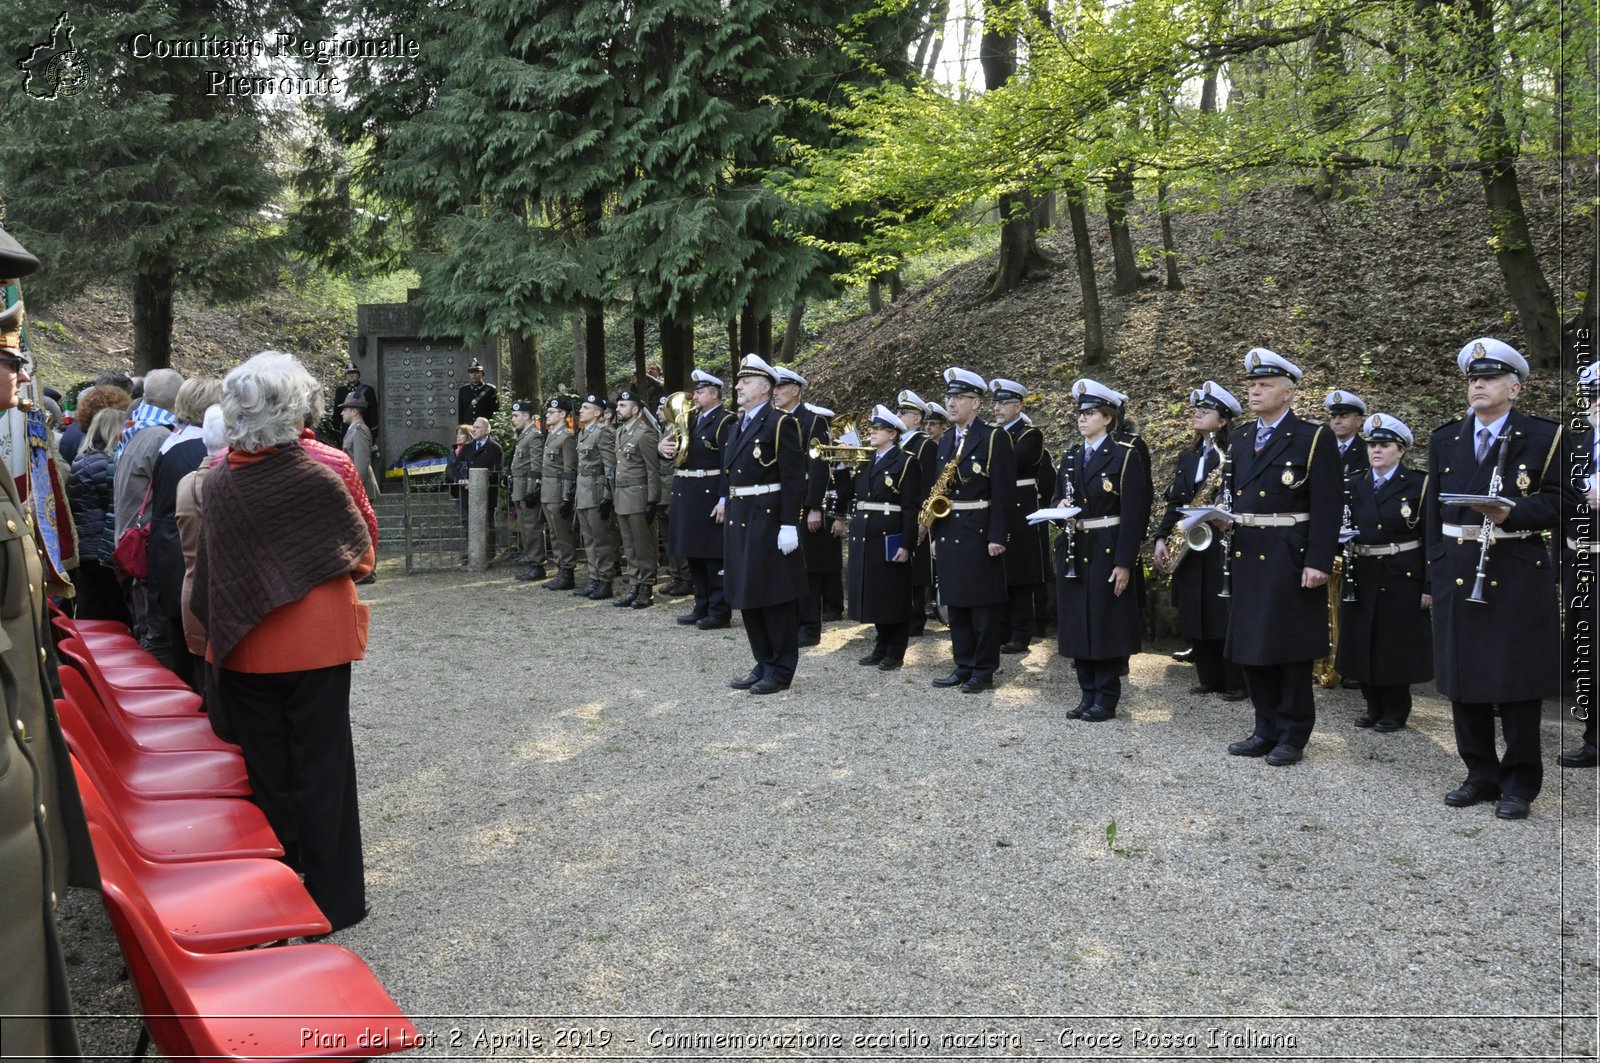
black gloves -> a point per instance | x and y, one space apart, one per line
605 509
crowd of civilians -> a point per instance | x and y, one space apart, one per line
257 535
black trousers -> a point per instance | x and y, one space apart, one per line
1212 668
833 591
811 603
1101 681
1520 773
919 610
774 634
1388 702
294 729
892 640
1285 708
976 633
706 575
1020 613
99 593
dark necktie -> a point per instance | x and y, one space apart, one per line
1483 444
1263 434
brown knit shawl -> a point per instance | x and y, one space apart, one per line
272 529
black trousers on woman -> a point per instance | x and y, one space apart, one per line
294 729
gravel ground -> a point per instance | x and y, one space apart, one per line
580 842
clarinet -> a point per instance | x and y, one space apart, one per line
1070 534
1349 550
1486 531
1225 501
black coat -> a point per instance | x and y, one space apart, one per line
1202 612
1026 562
1508 648
1093 622
1354 460
363 391
166 549
879 589
90 493
755 573
986 471
1271 618
1385 636
475 402
824 553
926 454
691 530
488 457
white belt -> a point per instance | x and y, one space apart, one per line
697 473
878 507
1091 523
982 503
758 489
1028 483
1582 547
1456 531
1270 520
1385 549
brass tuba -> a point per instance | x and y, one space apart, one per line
680 409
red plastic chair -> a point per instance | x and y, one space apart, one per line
130 668
257 1005
219 828
214 905
197 773
152 734
134 701
93 633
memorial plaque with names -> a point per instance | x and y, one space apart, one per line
420 378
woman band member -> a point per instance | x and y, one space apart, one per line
1197 582
1386 633
1098 571
883 537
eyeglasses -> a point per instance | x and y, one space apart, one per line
13 362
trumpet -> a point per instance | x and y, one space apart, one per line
841 452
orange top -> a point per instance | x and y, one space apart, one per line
325 628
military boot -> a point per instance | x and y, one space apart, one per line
562 582
602 591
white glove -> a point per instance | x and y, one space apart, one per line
788 539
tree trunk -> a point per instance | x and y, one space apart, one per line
640 370
1094 344
1019 245
733 347
594 348
749 342
1327 77
897 286
1119 197
1169 250
791 330
152 319
677 349
874 296
1508 222
522 350
764 336
1208 92
580 374
1044 212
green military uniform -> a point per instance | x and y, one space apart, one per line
558 484
636 495
527 463
597 471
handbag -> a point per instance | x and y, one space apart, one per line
132 554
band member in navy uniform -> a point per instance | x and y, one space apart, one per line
696 490
1026 562
1580 569
1197 582
1345 411
823 555
1287 500
916 442
1097 556
1386 634
476 399
883 533
1501 655
764 484
969 545
353 386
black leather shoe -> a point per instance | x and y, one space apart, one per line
1014 647
562 582
747 682
1367 720
1511 808
1470 793
1098 714
1254 746
810 638
1349 684
954 679
1203 689
1184 656
1283 755
830 615
677 588
768 686
709 624
889 664
1388 727
1235 695
874 657
1584 758
532 572
977 684
1083 706
626 601
586 590
644 601
690 618
602 591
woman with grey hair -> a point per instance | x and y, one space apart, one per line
181 453
281 544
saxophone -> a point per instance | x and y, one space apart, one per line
1199 537
937 505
